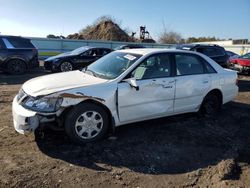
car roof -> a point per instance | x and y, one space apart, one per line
11 36
196 45
131 45
93 47
146 51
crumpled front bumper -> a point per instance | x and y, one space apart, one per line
24 120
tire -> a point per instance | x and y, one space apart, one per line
16 66
210 105
86 123
66 66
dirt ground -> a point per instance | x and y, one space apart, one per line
179 151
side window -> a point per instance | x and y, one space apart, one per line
7 43
213 52
86 53
2 46
94 52
20 42
157 66
209 68
201 50
105 51
246 56
188 64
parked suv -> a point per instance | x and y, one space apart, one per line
17 54
215 52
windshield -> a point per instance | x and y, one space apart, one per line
246 56
79 50
112 65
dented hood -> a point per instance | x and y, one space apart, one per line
52 83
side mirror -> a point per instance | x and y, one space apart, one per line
132 83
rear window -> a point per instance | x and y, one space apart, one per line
20 42
210 52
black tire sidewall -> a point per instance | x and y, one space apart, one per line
73 115
20 63
216 105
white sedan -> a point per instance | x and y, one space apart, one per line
123 87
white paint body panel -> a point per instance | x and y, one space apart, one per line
52 83
155 98
190 91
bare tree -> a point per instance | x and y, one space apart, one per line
170 37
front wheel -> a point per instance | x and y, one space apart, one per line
210 105
66 66
86 122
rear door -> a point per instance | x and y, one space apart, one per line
155 94
192 82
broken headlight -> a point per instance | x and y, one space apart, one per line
44 104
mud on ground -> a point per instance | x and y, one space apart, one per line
179 151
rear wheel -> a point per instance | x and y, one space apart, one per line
66 66
210 105
16 66
86 122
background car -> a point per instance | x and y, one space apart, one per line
17 54
76 59
129 46
232 55
215 52
241 64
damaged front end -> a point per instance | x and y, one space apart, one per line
30 112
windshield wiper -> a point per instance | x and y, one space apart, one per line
86 70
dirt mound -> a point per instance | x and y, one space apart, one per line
105 29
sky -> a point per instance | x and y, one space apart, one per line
191 18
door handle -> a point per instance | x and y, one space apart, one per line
171 82
167 86
153 82
205 81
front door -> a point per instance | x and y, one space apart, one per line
154 96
